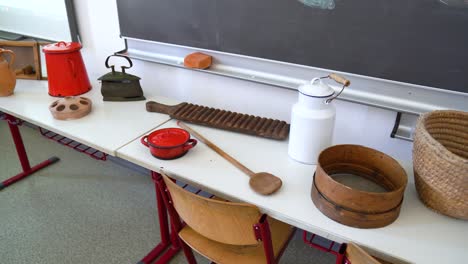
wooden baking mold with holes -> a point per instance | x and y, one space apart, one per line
70 107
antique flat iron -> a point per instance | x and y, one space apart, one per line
120 86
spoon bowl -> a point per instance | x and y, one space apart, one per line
265 183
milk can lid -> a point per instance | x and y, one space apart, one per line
62 47
316 88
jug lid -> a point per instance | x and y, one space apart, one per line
62 47
316 88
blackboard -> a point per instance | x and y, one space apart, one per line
415 41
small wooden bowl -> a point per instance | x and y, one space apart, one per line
70 107
356 207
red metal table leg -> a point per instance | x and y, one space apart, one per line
13 123
168 246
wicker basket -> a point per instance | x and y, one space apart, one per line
440 159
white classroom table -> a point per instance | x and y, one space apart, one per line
109 126
418 236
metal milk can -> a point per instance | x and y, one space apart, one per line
313 119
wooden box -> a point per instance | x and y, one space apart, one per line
27 54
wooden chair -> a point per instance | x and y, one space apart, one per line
224 232
347 253
356 255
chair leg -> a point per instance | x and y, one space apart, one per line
176 223
262 231
188 253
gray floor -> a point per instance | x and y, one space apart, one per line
84 211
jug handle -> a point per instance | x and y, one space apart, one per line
12 56
72 66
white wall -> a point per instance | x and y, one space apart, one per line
355 124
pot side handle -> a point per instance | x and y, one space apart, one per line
190 144
143 141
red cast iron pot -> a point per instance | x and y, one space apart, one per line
168 143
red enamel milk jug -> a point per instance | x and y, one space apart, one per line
66 71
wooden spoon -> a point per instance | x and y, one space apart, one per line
261 182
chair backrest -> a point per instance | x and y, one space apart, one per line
357 255
225 222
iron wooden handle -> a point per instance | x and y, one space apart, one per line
216 149
340 79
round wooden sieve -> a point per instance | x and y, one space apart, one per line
355 207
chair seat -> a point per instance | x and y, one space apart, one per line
226 254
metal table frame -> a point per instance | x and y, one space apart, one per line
13 124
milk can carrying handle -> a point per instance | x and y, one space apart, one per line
123 67
339 79
12 56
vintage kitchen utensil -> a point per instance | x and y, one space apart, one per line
313 119
355 207
70 107
120 86
261 182
243 123
66 71
440 161
7 73
169 143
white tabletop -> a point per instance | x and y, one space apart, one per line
418 236
110 125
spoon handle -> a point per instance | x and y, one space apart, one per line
216 149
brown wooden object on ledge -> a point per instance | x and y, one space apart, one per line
27 64
198 60
217 118
355 207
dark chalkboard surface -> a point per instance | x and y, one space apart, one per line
416 41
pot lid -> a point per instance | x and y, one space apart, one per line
62 47
316 88
118 77
168 137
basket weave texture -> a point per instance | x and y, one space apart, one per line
440 160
